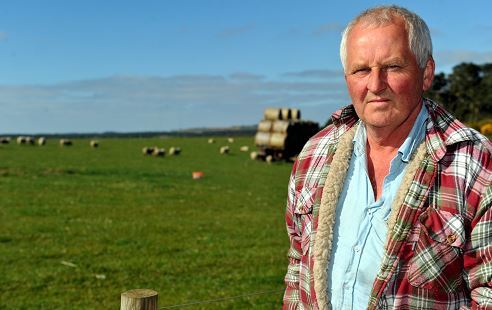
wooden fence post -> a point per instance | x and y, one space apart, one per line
139 299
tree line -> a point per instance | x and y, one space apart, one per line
466 92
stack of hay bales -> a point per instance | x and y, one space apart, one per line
282 133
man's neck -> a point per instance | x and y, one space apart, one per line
385 140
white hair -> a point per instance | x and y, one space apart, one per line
418 33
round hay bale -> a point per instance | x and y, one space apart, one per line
285 113
262 138
265 126
41 141
5 140
272 114
295 114
277 141
281 126
94 143
211 140
230 140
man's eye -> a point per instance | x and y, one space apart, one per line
393 67
361 70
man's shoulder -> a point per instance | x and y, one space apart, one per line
447 136
452 131
317 145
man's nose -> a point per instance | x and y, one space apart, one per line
377 80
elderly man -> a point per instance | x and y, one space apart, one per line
389 207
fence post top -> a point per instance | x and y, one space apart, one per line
139 293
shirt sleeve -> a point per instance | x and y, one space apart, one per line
478 256
292 294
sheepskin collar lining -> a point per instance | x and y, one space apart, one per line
327 209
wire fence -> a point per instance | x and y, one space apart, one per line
211 301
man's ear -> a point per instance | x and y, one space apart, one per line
428 74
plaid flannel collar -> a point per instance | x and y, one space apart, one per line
442 129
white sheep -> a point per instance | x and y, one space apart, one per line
65 142
174 150
224 149
160 152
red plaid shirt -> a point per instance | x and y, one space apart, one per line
439 252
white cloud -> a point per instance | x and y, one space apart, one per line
317 74
134 103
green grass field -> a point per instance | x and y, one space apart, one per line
79 226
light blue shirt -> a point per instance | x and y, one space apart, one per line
360 224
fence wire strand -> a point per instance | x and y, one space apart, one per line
210 301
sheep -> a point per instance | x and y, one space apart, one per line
94 143
269 158
253 155
147 150
210 141
224 149
244 148
41 141
65 142
174 150
159 152
25 140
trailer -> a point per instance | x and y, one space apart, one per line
282 134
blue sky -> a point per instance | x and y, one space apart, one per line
95 66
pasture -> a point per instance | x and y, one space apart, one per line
79 226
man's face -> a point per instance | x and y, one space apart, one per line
383 77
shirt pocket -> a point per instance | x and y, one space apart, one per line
304 215
437 263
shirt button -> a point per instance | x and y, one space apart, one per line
451 238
